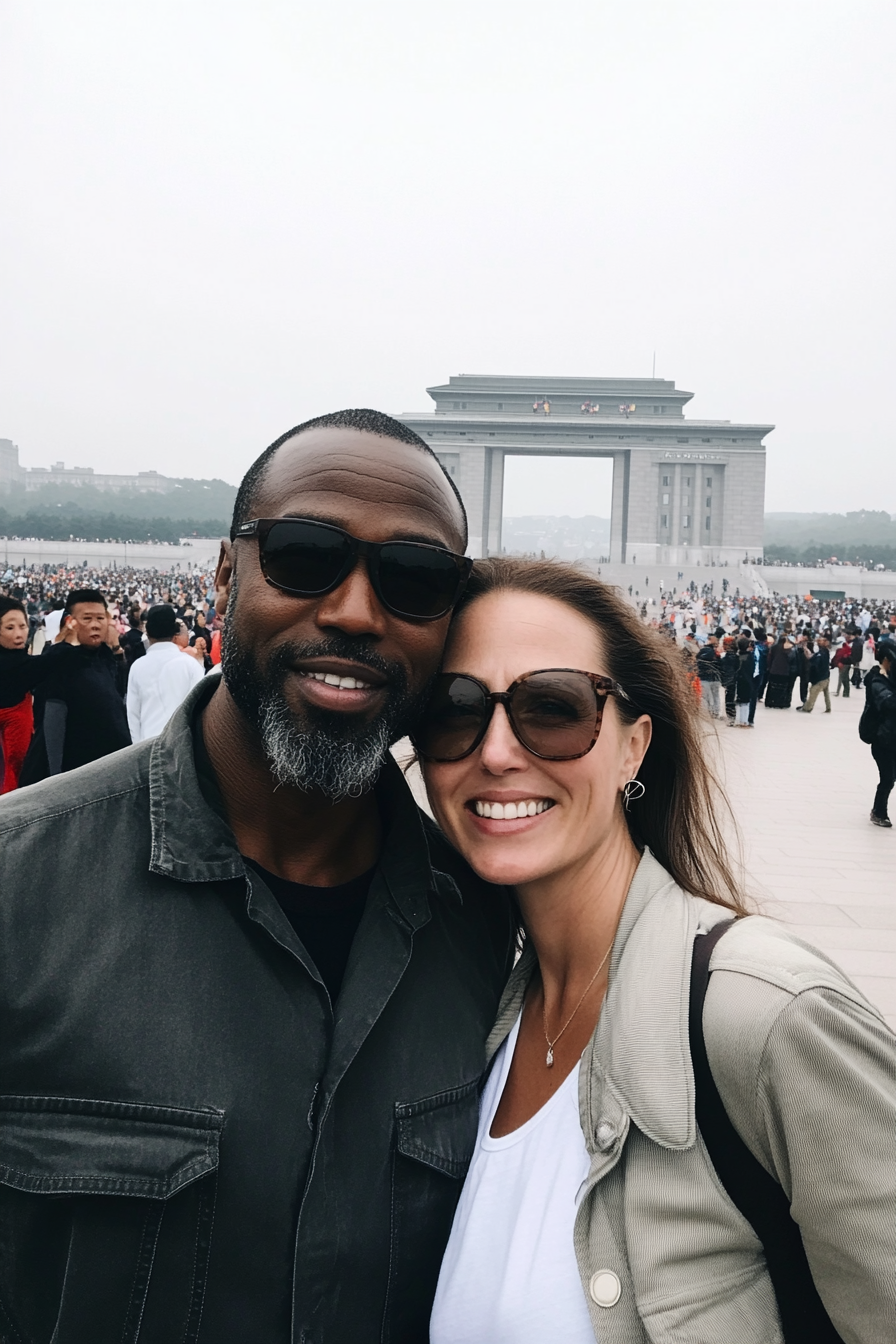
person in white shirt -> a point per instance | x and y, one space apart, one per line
159 682
52 623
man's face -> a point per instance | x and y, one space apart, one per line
332 735
90 623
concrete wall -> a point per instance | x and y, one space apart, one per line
736 511
864 584
472 488
496 501
743 519
199 552
618 528
646 579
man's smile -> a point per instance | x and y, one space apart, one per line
339 684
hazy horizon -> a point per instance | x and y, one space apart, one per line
223 219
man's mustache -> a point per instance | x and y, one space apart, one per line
338 646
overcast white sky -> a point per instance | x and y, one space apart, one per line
220 218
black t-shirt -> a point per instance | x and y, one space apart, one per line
326 919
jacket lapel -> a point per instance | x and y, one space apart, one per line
190 842
641 1045
397 907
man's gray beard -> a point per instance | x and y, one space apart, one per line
317 761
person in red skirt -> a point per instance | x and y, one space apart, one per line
19 674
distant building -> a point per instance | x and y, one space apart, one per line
10 471
32 478
684 491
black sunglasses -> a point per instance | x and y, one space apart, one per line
555 713
308 559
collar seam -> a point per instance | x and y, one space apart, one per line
74 807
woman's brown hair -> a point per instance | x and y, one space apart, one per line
677 816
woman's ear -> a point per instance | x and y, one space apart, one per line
639 735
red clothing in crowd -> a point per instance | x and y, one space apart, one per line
16 728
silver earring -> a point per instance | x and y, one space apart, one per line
633 790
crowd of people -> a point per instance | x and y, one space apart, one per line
285 1057
44 590
741 651
75 679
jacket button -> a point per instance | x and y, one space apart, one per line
605 1288
606 1135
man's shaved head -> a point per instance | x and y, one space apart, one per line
367 421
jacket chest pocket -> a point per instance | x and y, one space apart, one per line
105 1220
434 1141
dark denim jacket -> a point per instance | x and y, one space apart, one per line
192 1147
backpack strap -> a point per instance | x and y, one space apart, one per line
748 1185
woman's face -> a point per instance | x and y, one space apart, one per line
13 631
498 638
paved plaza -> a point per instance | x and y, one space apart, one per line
801 789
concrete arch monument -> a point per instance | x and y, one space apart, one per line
684 491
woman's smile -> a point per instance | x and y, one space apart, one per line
509 807
505 814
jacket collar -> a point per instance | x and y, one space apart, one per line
192 843
641 1042
639 1053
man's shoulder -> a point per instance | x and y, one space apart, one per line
113 780
60 653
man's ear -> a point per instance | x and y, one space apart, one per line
223 577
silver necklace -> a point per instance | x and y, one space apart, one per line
549 1061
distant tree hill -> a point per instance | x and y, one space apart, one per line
865 537
60 512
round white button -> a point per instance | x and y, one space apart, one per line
606 1135
605 1288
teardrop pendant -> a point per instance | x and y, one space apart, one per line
550 1059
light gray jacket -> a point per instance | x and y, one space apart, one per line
807 1071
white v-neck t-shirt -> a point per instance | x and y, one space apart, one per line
509 1275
